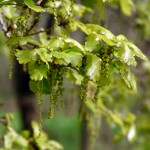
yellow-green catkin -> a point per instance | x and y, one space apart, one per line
97 91
70 12
39 100
51 107
53 101
84 88
11 62
55 13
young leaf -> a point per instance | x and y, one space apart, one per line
45 87
56 43
37 72
44 56
74 76
92 42
93 67
25 56
126 55
21 40
74 58
127 6
132 81
82 27
32 5
100 30
105 39
74 43
136 51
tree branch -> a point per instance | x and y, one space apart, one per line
46 30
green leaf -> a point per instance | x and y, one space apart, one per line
136 51
61 58
25 56
93 67
12 138
115 117
37 72
60 31
81 26
6 3
92 42
80 10
56 43
132 81
74 76
101 33
45 87
68 57
104 81
105 39
121 38
126 55
21 40
127 6
55 145
100 30
44 55
75 58
32 5
74 43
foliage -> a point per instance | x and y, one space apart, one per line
49 58
143 19
25 141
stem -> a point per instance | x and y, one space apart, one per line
46 30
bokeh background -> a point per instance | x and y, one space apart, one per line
66 127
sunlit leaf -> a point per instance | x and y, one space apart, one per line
44 55
93 67
74 58
132 133
132 81
25 56
127 6
32 5
100 30
92 42
21 40
74 76
136 51
37 72
126 55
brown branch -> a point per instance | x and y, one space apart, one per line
46 30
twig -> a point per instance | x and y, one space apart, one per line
46 30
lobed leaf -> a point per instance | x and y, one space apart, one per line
38 72
21 40
25 56
65 58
